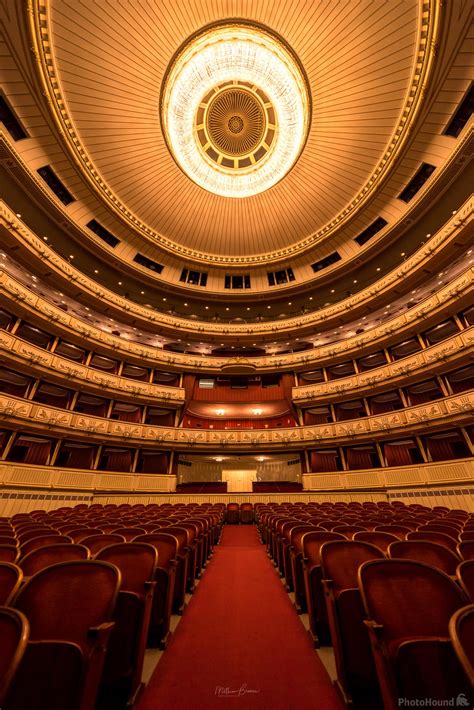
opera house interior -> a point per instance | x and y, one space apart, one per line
236 354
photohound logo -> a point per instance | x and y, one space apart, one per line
459 702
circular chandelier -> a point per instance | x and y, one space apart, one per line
235 109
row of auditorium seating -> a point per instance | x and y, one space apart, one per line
84 590
390 586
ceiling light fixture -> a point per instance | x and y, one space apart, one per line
235 109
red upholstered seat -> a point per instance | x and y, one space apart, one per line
409 605
123 667
69 606
441 538
183 537
42 557
11 577
465 550
78 534
378 538
424 551
349 530
340 560
43 541
465 575
9 553
232 513
461 631
95 543
14 634
312 573
165 575
246 513
399 531
129 533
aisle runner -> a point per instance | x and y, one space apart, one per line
240 643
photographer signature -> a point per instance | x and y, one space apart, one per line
222 692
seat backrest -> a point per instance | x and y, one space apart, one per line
378 538
14 632
9 553
11 577
129 533
409 598
441 538
424 551
461 631
165 544
136 561
64 601
399 531
8 539
180 533
467 536
78 534
37 560
465 550
297 530
94 543
341 559
465 575
42 541
314 540
348 530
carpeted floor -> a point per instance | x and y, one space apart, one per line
240 643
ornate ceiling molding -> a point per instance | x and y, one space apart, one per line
429 28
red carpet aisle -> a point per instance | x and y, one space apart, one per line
240 643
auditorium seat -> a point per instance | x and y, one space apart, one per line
465 575
378 538
121 679
441 538
11 577
399 531
291 532
69 607
129 533
165 575
78 534
409 605
9 553
423 551
461 631
466 550
37 560
43 541
14 633
340 561
232 513
182 535
95 543
349 530
312 542
246 513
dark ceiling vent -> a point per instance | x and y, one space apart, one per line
10 121
462 115
417 182
148 263
103 233
371 231
327 261
55 184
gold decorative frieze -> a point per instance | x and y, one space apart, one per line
35 361
17 413
455 350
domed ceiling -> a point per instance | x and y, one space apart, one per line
362 64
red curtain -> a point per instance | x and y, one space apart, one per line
95 410
322 461
398 455
134 416
359 458
381 407
81 457
310 418
287 383
440 449
119 461
38 453
154 463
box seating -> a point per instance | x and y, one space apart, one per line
14 632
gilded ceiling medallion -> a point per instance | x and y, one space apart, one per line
235 110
